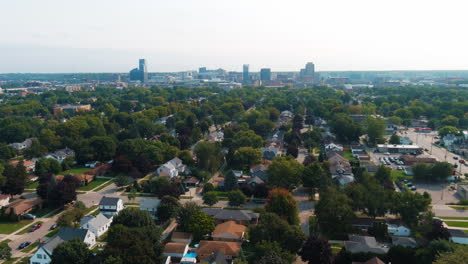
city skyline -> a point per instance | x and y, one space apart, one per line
107 36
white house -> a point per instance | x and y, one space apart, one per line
110 206
4 200
61 154
458 236
98 224
150 205
22 145
171 168
44 253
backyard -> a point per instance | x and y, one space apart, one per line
93 184
75 171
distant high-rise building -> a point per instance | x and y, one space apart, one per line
140 73
245 74
265 74
307 75
202 70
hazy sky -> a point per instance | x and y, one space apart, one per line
176 35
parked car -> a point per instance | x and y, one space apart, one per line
52 227
30 216
35 227
413 188
24 244
400 168
455 158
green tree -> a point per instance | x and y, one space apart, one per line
230 182
285 172
263 250
121 180
383 174
71 252
282 203
185 212
375 128
459 255
421 171
448 130
200 224
247 156
272 228
395 139
345 128
210 198
236 198
315 176
133 217
208 187
441 170
450 120
5 251
209 156
410 205
334 213
168 208
316 250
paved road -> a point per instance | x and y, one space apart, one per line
441 154
442 210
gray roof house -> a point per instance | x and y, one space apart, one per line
243 217
364 244
98 224
110 206
259 171
150 205
44 253
404 241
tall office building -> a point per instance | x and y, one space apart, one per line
307 75
265 74
202 70
245 74
140 73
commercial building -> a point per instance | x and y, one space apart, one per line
265 74
390 148
140 73
307 75
245 74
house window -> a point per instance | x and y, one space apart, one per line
39 256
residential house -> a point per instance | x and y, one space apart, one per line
22 145
171 168
397 228
363 223
44 253
98 224
238 173
182 237
271 152
61 154
150 205
91 164
340 169
254 181
4 200
21 207
216 136
30 165
243 217
71 109
450 140
375 260
404 241
458 236
207 248
216 258
229 231
110 206
192 182
364 244
175 250
333 148
259 171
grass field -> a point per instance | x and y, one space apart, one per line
44 211
459 207
348 155
104 185
53 232
8 227
88 210
33 185
457 224
30 247
93 184
453 218
10 261
75 171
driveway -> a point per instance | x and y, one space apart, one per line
306 207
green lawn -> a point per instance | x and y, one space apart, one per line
104 185
10 261
457 224
30 247
44 211
88 210
53 232
33 185
8 227
75 171
453 218
93 184
348 155
458 207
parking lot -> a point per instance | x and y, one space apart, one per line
390 160
441 193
